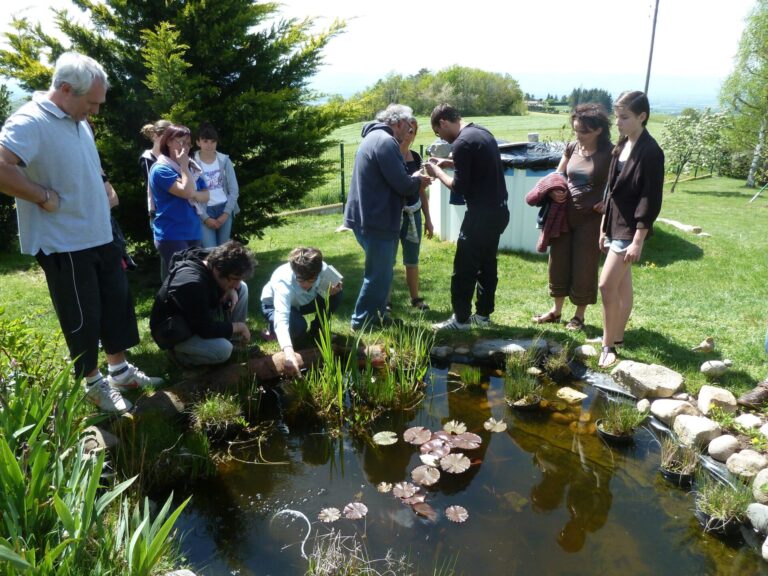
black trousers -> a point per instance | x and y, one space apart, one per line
474 265
90 294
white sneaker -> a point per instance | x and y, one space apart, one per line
131 378
106 398
479 320
451 324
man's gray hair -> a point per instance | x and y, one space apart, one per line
79 71
394 114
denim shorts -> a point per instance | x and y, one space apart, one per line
410 249
617 245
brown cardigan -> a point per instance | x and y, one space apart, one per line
634 195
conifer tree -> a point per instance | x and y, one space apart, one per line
234 63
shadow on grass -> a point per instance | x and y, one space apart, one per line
12 262
664 249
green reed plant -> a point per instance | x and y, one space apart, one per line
677 458
722 502
621 418
470 375
410 347
521 389
518 364
218 412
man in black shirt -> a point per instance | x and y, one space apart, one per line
479 177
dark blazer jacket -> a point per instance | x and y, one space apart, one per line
633 196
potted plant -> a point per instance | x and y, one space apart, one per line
619 421
522 392
721 508
219 416
678 462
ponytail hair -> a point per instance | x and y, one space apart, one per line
637 103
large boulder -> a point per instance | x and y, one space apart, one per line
647 380
758 517
759 493
696 430
746 464
667 409
749 421
710 396
722 447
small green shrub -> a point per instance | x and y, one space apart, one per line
721 501
621 418
217 412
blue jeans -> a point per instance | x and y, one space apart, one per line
297 324
377 278
198 351
211 237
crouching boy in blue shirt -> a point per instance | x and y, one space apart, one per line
297 288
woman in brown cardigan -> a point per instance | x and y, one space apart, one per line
633 202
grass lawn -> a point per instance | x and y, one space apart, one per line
687 287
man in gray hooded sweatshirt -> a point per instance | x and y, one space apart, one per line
374 208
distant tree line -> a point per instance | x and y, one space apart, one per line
474 92
586 95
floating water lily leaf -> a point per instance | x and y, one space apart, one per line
436 447
384 487
456 513
385 438
466 441
455 427
429 459
404 490
329 515
425 475
415 499
417 435
454 463
425 511
355 510
441 435
493 425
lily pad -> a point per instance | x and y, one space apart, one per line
425 475
441 435
466 441
404 490
493 425
384 487
436 447
456 514
429 459
417 435
455 427
455 463
355 511
329 515
415 499
385 438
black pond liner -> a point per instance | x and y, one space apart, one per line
617 439
728 529
676 478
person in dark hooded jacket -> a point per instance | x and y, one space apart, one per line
380 183
202 304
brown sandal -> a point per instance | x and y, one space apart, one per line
575 324
547 318
607 351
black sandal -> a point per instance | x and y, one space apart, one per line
602 362
419 303
575 324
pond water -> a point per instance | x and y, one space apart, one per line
542 498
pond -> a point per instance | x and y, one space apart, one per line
542 497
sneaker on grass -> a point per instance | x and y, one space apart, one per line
131 378
107 398
479 320
451 324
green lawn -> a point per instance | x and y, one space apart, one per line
687 287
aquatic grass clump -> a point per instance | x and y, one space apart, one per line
334 554
470 375
678 458
557 365
519 364
621 418
410 348
219 416
721 502
520 386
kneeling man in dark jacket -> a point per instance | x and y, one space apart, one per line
202 304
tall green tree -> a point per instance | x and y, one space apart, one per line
745 91
693 139
234 63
